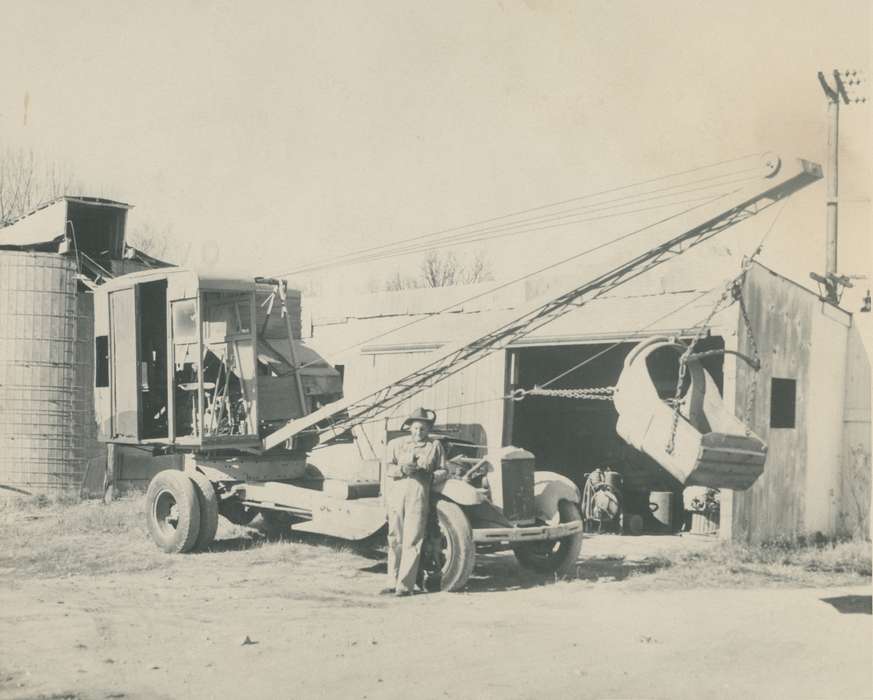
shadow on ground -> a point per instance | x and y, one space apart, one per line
370 548
501 572
851 604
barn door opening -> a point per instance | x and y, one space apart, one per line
573 436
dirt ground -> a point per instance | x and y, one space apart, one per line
306 621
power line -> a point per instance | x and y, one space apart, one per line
523 211
506 230
613 346
528 275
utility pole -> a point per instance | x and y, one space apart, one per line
845 82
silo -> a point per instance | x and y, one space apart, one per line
43 411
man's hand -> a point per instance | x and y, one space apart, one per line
409 469
440 476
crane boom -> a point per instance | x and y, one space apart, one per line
340 416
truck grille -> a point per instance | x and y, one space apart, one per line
516 489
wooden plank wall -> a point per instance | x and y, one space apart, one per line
94 451
854 511
456 399
781 317
801 492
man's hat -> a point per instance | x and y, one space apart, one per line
425 415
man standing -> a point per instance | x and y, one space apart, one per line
410 464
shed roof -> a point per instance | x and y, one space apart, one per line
601 320
48 222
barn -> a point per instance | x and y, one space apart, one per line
809 401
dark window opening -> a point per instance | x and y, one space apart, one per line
153 358
101 361
783 402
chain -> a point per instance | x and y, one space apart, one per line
753 387
732 292
596 393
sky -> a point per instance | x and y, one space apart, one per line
264 135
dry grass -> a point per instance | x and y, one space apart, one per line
729 565
49 538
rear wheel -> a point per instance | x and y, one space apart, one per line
173 511
457 551
554 556
208 501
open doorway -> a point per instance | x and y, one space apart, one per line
153 358
573 436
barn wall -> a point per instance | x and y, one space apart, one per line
781 318
456 399
801 338
827 377
853 517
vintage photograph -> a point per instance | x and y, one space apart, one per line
502 349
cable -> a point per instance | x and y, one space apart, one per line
500 232
754 254
528 275
698 297
529 210
403 252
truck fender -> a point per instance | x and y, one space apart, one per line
549 490
459 492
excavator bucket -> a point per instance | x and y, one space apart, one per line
711 447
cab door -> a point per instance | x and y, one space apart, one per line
124 364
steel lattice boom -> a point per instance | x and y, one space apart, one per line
340 416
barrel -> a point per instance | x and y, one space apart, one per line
43 406
661 508
704 523
612 479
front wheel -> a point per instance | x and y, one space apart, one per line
457 551
554 556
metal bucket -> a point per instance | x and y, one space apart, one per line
612 479
661 509
43 408
704 523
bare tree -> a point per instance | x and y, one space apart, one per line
477 270
151 240
26 182
442 270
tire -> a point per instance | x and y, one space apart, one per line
277 522
236 512
554 556
173 511
458 550
208 501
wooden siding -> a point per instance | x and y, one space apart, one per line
854 511
467 402
799 338
94 451
781 317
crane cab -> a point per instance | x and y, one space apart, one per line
200 361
